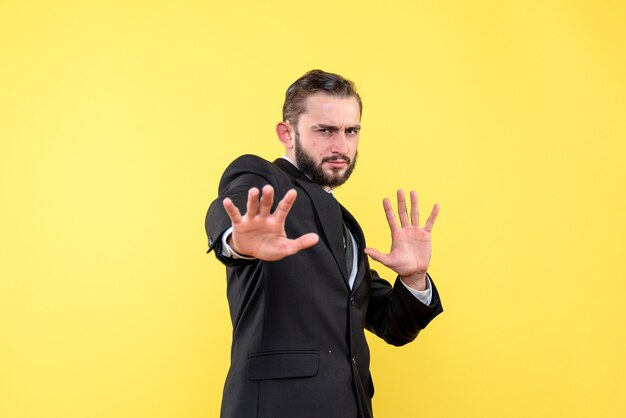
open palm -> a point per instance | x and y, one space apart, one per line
261 234
410 244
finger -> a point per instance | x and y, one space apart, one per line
391 217
252 206
305 241
430 222
231 210
376 255
267 198
404 217
415 213
284 206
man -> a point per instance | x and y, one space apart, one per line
300 288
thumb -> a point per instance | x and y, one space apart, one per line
305 241
376 255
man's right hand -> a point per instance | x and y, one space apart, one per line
261 234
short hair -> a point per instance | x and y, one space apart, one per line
316 81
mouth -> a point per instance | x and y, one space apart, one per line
337 162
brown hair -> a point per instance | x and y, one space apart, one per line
315 81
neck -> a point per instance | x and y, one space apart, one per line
326 188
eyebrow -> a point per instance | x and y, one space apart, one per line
336 128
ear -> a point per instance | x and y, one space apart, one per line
285 134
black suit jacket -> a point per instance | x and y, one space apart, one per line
299 347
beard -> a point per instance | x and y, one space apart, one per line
316 173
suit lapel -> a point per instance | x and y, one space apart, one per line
357 232
329 213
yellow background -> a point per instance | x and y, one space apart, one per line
117 119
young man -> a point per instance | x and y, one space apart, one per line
300 288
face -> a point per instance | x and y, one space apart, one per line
326 139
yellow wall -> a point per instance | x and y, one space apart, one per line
117 118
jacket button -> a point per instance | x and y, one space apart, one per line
352 301
354 360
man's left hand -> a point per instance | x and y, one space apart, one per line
410 245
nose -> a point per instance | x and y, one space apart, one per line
339 143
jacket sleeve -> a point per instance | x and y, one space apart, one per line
241 175
395 315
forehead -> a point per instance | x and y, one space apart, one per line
335 110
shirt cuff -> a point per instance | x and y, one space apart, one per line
227 251
425 296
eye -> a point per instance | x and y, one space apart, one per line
325 131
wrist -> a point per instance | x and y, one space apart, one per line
233 247
229 241
415 281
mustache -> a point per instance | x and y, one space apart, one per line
336 158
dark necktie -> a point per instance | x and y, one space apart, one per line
348 247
